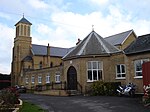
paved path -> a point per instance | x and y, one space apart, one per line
87 104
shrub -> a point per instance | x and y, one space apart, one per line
146 97
98 88
10 96
103 88
111 88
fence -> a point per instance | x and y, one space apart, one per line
51 86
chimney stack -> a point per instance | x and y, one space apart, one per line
78 41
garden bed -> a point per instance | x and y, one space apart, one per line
9 100
7 108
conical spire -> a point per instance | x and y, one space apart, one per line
23 20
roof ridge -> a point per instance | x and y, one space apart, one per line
51 46
108 44
99 39
92 44
118 33
144 35
87 40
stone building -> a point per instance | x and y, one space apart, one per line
117 58
29 57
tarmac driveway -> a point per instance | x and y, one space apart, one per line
87 103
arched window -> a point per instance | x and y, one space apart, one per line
24 30
21 30
28 31
51 64
29 67
40 65
16 31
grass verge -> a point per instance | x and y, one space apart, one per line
29 107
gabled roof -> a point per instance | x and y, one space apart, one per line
93 44
140 45
118 39
23 20
54 51
27 58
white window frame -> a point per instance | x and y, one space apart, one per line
135 67
57 78
32 79
121 72
39 79
48 78
98 69
27 80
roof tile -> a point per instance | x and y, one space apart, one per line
118 39
54 51
23 20
93 44
141 44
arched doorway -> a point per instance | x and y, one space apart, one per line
72 78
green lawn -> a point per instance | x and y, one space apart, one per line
29 107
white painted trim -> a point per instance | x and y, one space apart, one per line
121 71
102 44
101 68
39 79
138 77
84 45
120 78
56 77
48 77
127 36
32 81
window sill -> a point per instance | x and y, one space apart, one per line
93 80
138 77
89 81
120 78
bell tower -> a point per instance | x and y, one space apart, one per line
21 49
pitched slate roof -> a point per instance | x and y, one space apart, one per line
93 44
140 45
54 51
118 39
27 58
23 20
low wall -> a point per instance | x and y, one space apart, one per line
52 92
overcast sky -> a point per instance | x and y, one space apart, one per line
62 22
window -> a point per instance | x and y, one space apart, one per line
28 31
57 78
120 71
24 30
138 67
51 64
29 67
27 80
32 79
17 31
48 78
39 79
94 71
21 30
40 65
